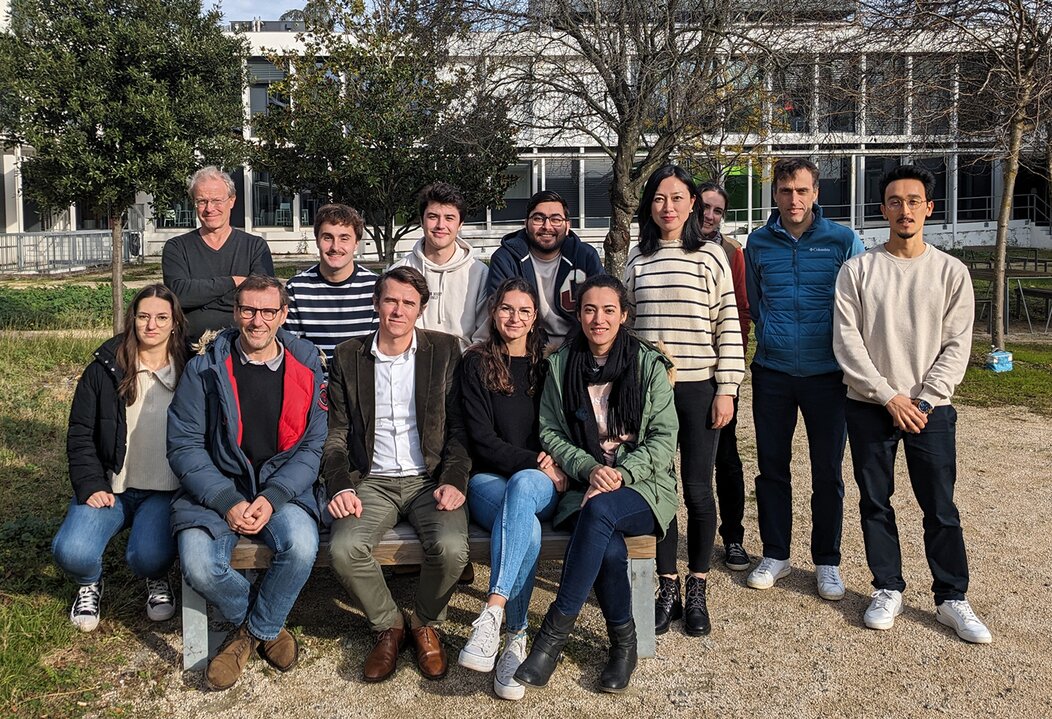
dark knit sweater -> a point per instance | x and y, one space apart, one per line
260 392
502 429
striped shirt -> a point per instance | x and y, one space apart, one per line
327 313
685 300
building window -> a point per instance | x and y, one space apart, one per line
885 95
598 175
261 73
517 196
793 85
838 83
974 190
271 207
563 175
876 168
932 95
834 187
937 167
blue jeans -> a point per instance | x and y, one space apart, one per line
293 536
597 554
931 459
86 531
512 509
777 397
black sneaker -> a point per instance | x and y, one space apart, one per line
736 557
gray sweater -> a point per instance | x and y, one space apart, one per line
903 326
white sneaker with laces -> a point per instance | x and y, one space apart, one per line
514 654
830 585
767 572
480 653
886 605
160 603
85 610
958 614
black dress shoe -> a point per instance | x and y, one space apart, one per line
696 610
668 607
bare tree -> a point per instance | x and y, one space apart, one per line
998 66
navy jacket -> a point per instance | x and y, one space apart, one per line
790 284
513 259
204 426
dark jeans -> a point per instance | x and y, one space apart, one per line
730 483
597 554
697 453
776 398
931 459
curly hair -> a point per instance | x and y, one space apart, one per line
493 352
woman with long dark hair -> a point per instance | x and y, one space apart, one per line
682 294
117 462
516 484
607 418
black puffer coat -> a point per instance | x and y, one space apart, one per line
98 429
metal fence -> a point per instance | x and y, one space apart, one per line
47 252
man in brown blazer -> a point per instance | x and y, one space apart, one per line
396 450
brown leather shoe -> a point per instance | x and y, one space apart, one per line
383 657
430 655
282 652
230 661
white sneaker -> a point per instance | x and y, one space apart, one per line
958 613
830 585
514 654
886 605
480 653
767 572
85 610
160 603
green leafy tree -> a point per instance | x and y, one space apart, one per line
119 97
376 106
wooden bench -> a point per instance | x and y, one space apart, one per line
400 546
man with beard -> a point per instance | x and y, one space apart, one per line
333 300
902 332
551 257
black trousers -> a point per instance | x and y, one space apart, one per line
697 453
730 483
931 459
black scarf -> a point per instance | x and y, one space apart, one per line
625 409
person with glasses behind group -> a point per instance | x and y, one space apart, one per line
551 257
245 434
205 266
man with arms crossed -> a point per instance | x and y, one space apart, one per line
396 450
902 334
455 275
245 432
551 257
204 267
333 300
791 266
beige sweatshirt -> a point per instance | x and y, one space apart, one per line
903 326
146 463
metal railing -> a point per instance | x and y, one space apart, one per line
46 252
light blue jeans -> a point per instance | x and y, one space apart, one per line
512 509
291 533
86 531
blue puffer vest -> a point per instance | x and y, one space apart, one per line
790 284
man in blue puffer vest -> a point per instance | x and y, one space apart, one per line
791 265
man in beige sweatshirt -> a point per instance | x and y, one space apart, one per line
902 332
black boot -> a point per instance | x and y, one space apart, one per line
668 607
537 668
622 660
697 622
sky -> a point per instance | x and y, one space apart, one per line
248 9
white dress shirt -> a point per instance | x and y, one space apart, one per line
396 444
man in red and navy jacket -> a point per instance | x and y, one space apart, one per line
245 432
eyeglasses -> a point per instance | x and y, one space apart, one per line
267 313
525 314
913 203
144 319
538 220
203 204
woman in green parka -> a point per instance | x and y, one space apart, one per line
608 419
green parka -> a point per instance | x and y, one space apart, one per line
646 465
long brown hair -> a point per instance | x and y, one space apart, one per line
493 352
128 351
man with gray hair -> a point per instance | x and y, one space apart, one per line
204 267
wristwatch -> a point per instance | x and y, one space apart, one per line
923 406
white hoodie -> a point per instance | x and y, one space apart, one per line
458 292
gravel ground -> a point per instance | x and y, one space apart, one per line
783 652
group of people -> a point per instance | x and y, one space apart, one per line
533 389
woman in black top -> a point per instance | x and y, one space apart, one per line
514 479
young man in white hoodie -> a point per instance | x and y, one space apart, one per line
455 275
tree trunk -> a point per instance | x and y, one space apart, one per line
1011 171
117 267
389 242
623 202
